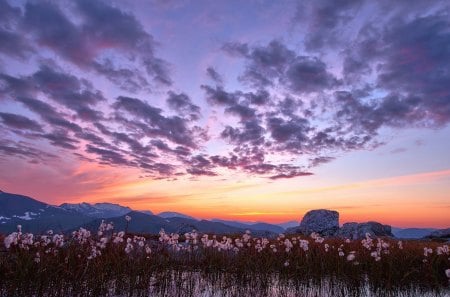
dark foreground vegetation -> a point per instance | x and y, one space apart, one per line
121 264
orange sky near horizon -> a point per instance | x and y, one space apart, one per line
399 200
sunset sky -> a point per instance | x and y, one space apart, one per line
247 110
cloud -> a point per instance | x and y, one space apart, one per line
99 28
183 104
49 114
61 139
24 150
324 21
172 128
69 91
108 156
274 63
16 121
309 74
214 75
218 96
12 43
251 131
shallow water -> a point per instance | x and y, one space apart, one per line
195 285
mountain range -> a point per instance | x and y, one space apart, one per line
37 217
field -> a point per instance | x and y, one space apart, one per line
111 263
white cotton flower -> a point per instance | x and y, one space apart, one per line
286 264
351 257
427 251
447 273
37 259
11 239
128 248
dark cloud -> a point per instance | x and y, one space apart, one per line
266 64
253 163
294 131
309 74
49 114
273 64
314 162
172 128
260 97
183 104
12 87
127 79
412 66
218 96
11 42
290 174
101 27
214 75
69 91
200 165
76 94
242 111
110 27
60 138
250 131
16 121
107 156
25 150
236 49
324 20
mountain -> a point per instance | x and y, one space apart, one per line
97 210
260 226
147 212
172 214
267 227
35 216
237 224
440 234
412 233
144 223
289 224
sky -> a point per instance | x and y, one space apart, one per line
246 110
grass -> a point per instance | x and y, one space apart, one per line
239 265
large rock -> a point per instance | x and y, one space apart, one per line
322 221
359 230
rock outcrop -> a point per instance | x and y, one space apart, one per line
326 223
322 221
359 230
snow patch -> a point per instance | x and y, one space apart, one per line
4 218
27 216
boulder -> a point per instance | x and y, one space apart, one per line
322 221
359 230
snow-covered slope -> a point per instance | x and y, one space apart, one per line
97 210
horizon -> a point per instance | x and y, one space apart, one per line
278 223
253 114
